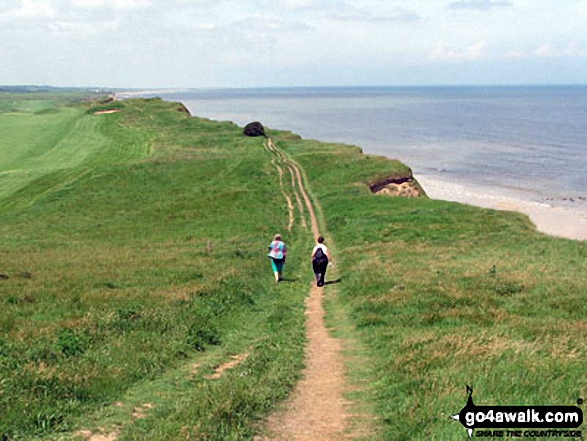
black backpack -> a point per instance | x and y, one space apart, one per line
319 255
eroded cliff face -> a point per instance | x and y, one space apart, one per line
184 109
398 186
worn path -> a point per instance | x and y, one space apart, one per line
317 410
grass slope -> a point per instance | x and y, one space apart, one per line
123 280
444 295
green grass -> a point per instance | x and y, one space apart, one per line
445 295
148 259
40 151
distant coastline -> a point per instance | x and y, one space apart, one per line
438 132
138 93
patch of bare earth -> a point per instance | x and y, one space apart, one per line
219 371
106 112
139 412
89 436
402 185
404 190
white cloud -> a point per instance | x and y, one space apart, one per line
80 28
392 16
67 26
115 4
544 51
476 51
343 10
479 4
30 9
263 24
441 51
298 4
573 49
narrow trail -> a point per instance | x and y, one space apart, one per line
317 409
269 145
290 206
298 199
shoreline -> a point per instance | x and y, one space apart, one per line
568 223
123 94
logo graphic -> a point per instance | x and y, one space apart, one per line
517 417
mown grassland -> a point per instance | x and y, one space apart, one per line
45 144
136 264
444 295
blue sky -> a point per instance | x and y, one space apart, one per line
257 43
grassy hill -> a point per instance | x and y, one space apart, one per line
136 266
134 247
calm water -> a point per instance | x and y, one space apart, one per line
531 141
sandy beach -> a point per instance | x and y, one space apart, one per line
556 221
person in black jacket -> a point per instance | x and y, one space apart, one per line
320 258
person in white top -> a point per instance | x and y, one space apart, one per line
320 258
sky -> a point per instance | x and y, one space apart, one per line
280 43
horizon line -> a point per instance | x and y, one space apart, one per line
118 89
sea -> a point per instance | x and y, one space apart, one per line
526 143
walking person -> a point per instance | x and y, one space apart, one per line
320 257
277 253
